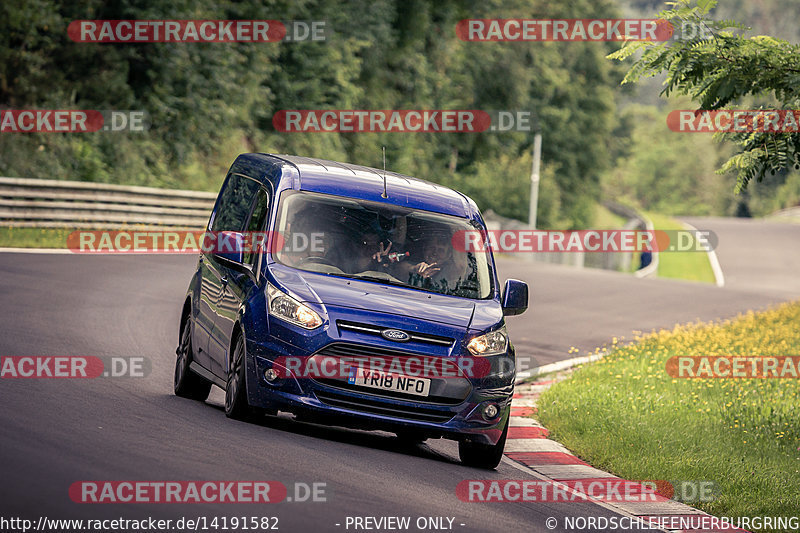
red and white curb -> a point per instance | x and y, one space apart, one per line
529 449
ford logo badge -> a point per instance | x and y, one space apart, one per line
395 335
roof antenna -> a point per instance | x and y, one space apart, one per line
384 195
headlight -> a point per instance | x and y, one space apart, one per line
287 308
493 343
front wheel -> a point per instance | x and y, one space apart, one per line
185 382
236 406
483 455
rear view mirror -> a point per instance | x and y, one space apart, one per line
515 297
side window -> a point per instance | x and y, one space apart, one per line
234 205
257 223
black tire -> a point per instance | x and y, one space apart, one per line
186 383
483 455
236 405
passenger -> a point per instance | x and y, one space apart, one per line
441 267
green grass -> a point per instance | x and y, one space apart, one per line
693 266
783 220
625 414
605 219
34 237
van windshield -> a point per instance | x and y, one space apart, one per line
380 242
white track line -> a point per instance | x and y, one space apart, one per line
52 251
713 259
558 365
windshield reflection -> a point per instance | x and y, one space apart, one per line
379 242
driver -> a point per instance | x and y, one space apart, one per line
366 254
307 241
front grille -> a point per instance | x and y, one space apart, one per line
371 329
364 405
346 349
355 351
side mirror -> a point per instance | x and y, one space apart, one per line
515 297
230 246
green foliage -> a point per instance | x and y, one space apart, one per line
664 171
209 102
723 69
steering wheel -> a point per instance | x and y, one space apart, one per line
316 260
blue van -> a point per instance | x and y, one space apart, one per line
358 307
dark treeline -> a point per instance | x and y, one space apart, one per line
209 102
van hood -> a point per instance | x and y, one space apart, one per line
390 299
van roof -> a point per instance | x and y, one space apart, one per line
333 177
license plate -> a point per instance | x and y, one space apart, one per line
375 379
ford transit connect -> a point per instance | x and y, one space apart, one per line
357 307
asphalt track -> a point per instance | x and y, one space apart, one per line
585 308
56 432
757 255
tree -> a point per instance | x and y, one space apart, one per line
722 67
208 102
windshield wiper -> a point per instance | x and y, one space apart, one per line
377 278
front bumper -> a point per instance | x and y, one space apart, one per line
454 409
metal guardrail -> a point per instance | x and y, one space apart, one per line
636 220
38 203
607 260
35 203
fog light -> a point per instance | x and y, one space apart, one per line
490 411
270 375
